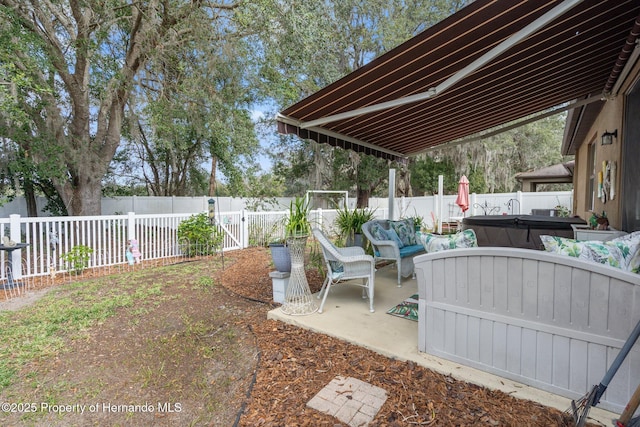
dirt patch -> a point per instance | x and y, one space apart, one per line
201 352
29 298
183 356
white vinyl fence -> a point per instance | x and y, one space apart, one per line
49 238
516 203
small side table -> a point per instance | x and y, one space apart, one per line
584 232
11 283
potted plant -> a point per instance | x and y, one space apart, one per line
297 223
298 299
349 223
599 222
418 222
280 256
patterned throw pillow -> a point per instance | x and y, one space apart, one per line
630 245
634 263
392 235
436 242
405 230
562 245
378 232
337 267
612 253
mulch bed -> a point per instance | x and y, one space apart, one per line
294 364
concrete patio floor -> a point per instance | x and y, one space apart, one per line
346 316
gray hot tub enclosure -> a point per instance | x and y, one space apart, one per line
518 231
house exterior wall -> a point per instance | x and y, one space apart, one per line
610 118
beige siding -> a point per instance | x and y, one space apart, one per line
611 118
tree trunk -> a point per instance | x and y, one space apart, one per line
363 198
83 199
403 183
30 198
212 177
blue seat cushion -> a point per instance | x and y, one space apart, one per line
407 250
411 250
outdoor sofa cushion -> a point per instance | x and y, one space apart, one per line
406 251
622 252
437 242
378 232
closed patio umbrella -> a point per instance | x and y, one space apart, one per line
463 194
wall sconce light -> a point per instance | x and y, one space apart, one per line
607 137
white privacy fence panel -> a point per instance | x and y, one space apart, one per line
517 203
157 205
404 206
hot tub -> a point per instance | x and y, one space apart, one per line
518 231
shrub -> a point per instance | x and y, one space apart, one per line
77 259
349 222
198 236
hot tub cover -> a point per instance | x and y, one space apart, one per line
524 221
518 231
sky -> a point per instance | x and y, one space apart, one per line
257 115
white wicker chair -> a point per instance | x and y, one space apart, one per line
353 263
389 250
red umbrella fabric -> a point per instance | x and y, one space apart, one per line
463 194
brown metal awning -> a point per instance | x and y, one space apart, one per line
493 62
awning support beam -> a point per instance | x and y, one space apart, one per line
461 74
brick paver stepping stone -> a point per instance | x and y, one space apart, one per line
350 400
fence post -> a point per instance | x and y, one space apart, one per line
131 225
519 198
473 202
392 193
403 206
15 235
245 229
319 212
